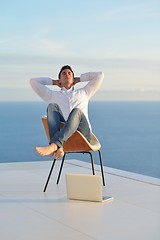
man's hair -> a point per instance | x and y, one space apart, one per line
65 67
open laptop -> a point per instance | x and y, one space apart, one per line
85 187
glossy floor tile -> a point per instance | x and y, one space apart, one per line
26 212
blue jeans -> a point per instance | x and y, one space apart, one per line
76 121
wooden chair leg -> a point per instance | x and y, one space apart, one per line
101 164
49 175
61 168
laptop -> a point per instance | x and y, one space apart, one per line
85 187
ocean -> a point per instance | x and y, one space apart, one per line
129 133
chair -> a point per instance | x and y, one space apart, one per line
77 143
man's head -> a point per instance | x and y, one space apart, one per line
66 76
63 68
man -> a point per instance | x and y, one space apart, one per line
67 105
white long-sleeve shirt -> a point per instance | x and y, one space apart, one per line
69 99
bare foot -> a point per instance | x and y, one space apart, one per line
47 151
59 153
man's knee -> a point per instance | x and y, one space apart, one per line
52 107
77 111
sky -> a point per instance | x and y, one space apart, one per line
119 37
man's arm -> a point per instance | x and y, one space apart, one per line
76 80
94 80
56 82
39 85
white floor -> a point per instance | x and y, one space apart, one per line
27 213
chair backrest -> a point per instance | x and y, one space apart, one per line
77 142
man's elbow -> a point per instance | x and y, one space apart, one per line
101 75
32 82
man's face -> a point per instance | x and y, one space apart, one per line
66 78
